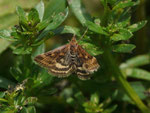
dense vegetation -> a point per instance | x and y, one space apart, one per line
115 35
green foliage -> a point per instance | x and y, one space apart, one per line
131 67
124 48
77 9
95 28
29 89
15 101
32 29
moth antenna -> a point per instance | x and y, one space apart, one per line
83 34
74 35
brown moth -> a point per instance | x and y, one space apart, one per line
68 59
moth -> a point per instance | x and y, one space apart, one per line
68 59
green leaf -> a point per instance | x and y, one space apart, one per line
22 50
137 73
24 110
123 34
6 34
123 15
92 107
40 26
67 29
30 101
16 73
31 109
95 98
44 78
2 94
137 26
79 96
5 82
71 101
110 110
124 4
95 28
3 100
78 11
124 48
33 17
40 8
136 61
4 44
124 22
91 48
22 16
57 20
54 7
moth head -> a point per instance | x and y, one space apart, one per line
73 42
73 45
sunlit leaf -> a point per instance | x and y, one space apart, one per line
71 101
78 11
137 26
136 61
123 34
95 28
40 8
95 98
6 34
137 73
124 4
124 48
3 100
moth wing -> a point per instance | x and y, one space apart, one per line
57 61
86 64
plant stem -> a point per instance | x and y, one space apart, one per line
110 63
